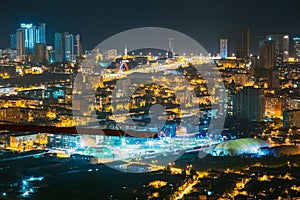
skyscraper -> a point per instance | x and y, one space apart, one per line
281 46
243 43
13 41
27 36
69 48
249 103
78 46
297 48
223 48
21 55
59 46
64 46
267 54
41 34
39 53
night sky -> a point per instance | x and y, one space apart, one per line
205 21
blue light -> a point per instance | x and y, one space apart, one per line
26 25
4 194
269 39
25 183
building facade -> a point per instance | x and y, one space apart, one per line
297 48
281 46
249 103
243 43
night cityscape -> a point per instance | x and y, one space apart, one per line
150 100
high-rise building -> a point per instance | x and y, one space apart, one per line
249 103
13 41
223 48
59 47
50 56
267 54
39 53
41 33
243 43
281 46
21 54
27 36
297 48
291 119
78 46
69 48
64 46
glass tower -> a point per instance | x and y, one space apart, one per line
59 46
223 48
297 48
281 46
13 41
27 36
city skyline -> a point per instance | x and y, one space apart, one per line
150 99
261 18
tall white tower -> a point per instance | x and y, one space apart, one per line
125 51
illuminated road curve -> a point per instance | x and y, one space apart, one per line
107 77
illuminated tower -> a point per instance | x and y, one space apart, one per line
297 48
69 48
59 46
41 34
64 47
223 48
281 46
29 37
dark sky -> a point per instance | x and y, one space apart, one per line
205 21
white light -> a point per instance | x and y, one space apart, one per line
123 141
150 142
25 194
